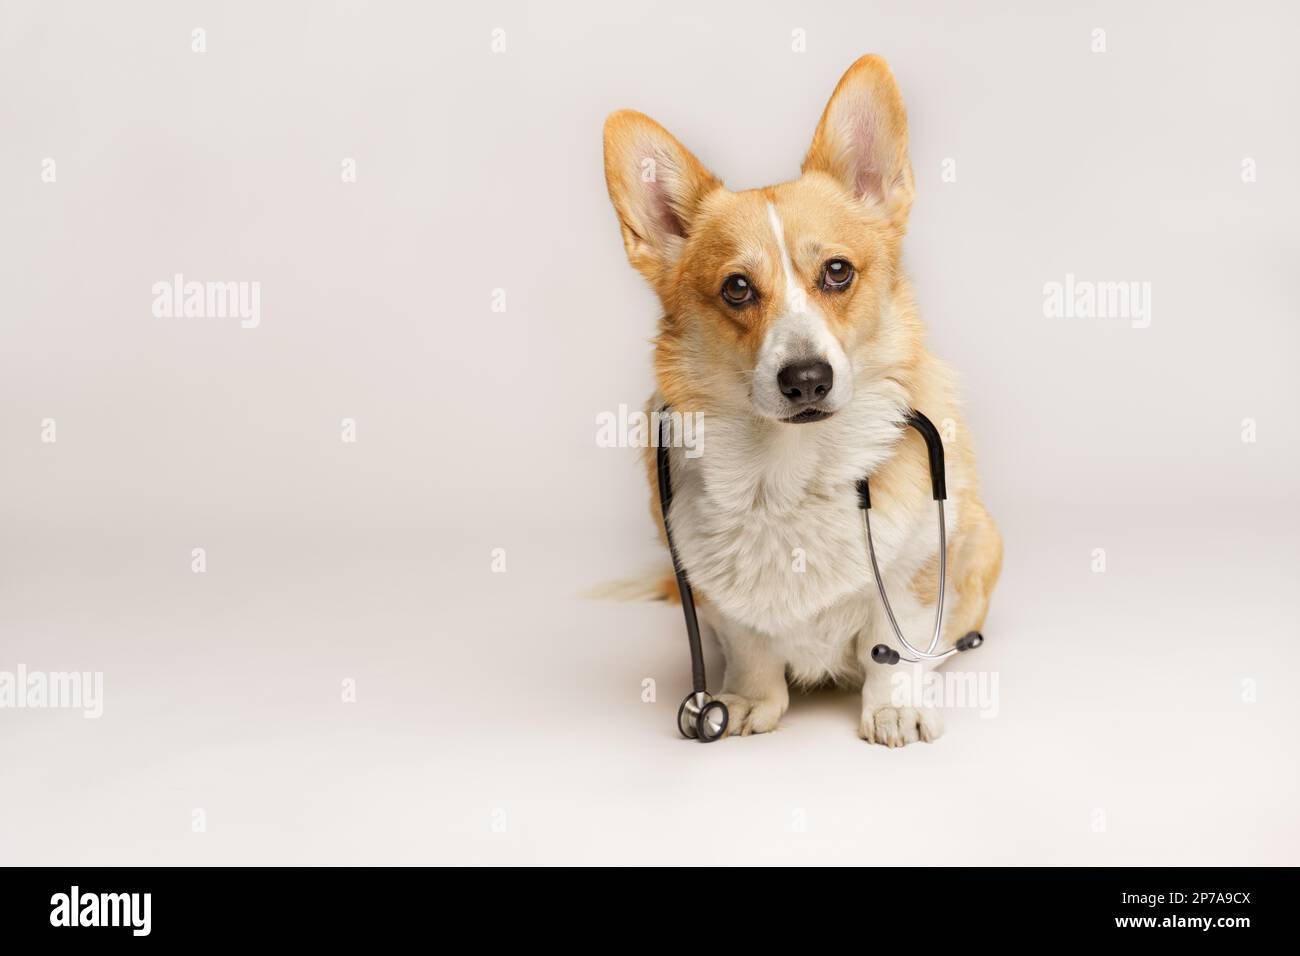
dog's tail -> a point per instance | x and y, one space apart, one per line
657 585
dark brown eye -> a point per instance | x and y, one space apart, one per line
737 290
836 275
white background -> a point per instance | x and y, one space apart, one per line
499 716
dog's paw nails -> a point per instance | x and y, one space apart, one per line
745 716
898 726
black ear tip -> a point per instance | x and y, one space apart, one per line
884 654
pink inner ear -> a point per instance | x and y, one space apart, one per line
664 218
861 140
659 211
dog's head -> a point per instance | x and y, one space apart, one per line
774 298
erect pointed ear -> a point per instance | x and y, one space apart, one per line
656 186
862 138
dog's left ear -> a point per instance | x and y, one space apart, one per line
862 138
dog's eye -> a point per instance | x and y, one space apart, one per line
737 290
836 275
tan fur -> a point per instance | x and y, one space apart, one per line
686 233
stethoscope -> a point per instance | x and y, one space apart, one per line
703 717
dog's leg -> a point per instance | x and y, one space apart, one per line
883 720
754 689
893 710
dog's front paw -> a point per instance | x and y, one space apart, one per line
745 716
896 726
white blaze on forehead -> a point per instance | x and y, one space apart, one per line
797 333
796 298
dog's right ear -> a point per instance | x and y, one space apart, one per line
656 186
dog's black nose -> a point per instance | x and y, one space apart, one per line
805 382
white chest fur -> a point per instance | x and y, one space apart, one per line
767 524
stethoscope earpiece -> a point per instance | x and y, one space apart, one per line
884 654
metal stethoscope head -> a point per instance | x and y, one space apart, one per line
703 717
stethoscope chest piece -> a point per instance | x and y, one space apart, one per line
702 718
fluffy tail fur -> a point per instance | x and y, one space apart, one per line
658 585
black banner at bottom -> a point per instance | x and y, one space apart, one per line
95 906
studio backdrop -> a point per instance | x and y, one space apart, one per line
312 314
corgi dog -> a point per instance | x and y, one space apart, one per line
789 329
